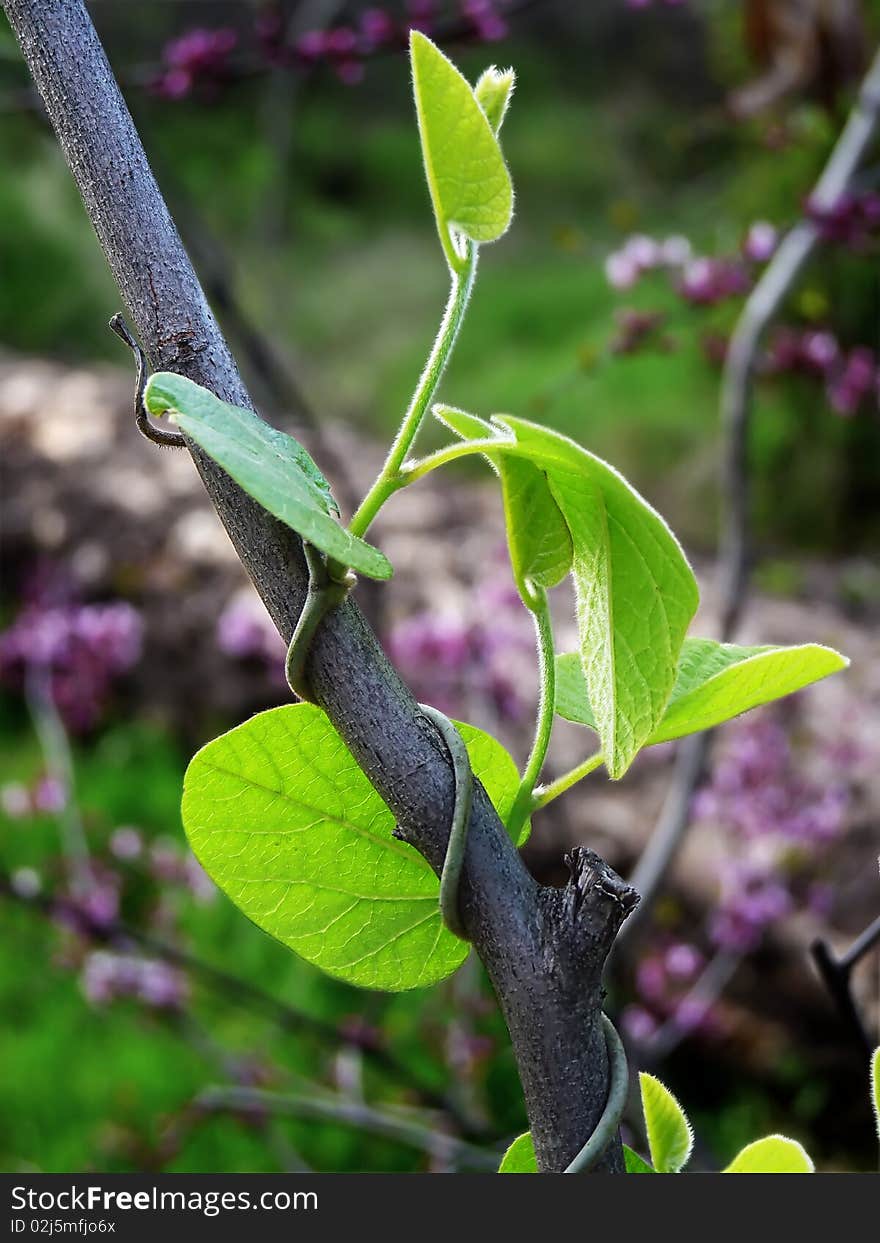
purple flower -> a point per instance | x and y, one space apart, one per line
107 975
854 381
760 242
340 42
198 56
312 45
638 1023
706 281
126 843
82 647
849 221
15 799
50 795
651 982
683 961
377 27
637 328
621 270
245 632
820 350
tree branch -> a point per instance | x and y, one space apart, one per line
761 308
405 1128
759 311
543 949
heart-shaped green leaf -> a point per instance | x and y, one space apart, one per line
773 1155
468 179
269 465
520 1157
634 1163
670 1137
636 592
715 682
287 825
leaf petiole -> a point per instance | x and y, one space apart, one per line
389 478
523 803
542 795
442 457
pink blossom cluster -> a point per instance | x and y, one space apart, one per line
778 818
648 4
245 632
203 57
706 281
199 57
850 221
635 329
851 377
107 976
82 647
44 797
664 979
699 279
447 659
640 254
170 865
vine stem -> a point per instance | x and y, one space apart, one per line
523 802
543 948
423 466
543 795
389 478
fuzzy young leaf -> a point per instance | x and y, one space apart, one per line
715 682
466 426
269 465
634 1163
468 179
520 1157
775 1154
286 824
636 592
670 1137
537 533
493 91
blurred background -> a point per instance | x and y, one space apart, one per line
659 150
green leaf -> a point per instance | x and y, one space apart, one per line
634 1163
715 682
670 1137
494 766
537 534
772 1155
269 465
286 824
875 1087
467 177
493 91
636 592
465 425
520 1157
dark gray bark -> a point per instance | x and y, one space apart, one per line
543 949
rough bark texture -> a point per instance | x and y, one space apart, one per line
543 949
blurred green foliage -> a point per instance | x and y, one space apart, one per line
606 138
